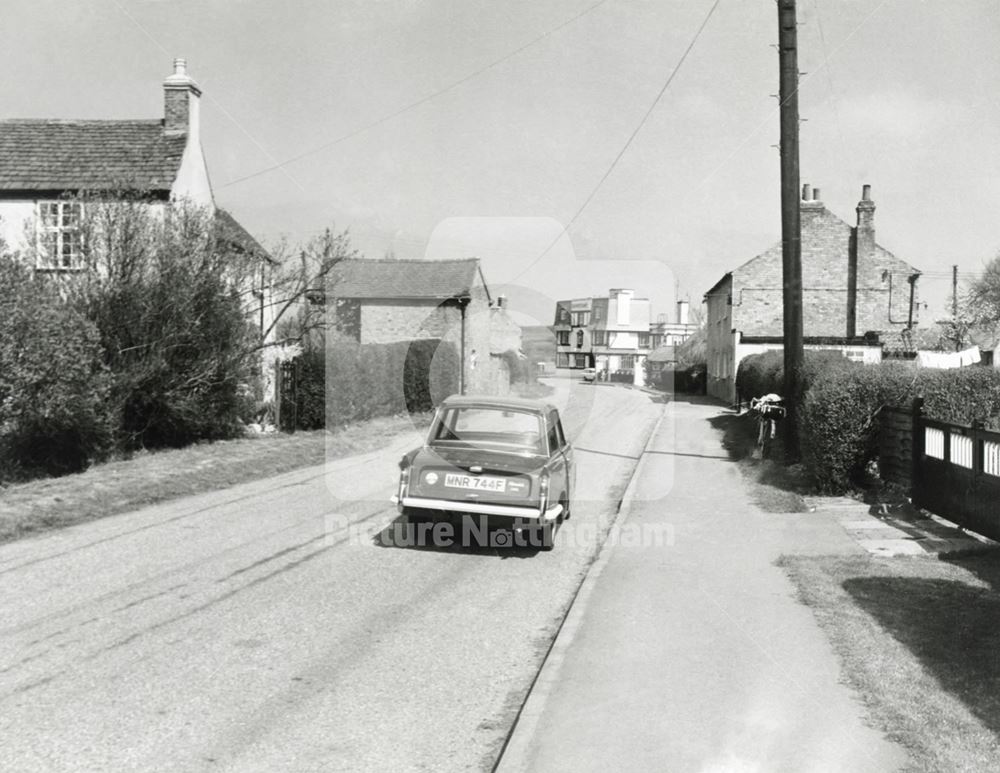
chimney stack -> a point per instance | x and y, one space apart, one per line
682 312
862 252
180 102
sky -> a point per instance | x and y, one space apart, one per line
434 128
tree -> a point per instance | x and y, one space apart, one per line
694 349
166 289
299 289
982 301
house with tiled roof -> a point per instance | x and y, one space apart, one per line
392 300
48 167
854 293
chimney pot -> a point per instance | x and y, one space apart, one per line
866 192
180 66
806 192
815 194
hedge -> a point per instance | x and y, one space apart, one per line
838 420
365 381
762 374
689 380
54 416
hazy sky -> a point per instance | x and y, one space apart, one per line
900 94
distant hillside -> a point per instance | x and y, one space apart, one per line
539 343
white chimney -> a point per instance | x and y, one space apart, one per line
682 312
624 298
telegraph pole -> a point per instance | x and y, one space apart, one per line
954 292
791 230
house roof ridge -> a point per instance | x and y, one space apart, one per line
83 121
414 260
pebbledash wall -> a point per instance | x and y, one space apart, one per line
850 286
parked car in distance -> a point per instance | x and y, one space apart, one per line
589 374
503 461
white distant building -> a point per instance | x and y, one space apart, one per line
610 334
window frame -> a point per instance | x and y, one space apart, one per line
49 233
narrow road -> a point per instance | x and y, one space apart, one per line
266 628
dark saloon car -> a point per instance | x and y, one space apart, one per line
503 461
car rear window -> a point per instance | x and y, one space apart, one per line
490 428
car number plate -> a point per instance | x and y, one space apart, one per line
475 483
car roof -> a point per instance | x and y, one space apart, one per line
493 401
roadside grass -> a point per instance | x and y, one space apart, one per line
146 478
919 640
774 486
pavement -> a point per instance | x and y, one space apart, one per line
694 654
887 531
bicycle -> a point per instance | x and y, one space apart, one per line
769 410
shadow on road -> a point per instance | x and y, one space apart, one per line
456 536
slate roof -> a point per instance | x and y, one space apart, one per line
80 155
239 236
377 279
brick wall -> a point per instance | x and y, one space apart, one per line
827 243
388 321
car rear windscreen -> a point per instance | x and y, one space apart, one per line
491 428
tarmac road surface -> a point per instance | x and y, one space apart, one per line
266 627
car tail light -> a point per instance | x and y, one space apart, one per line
404 479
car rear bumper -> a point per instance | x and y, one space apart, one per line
479 508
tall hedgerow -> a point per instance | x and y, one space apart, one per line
365 381
53 383
839 419
166 292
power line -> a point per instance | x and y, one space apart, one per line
210 98
802 82
423 100
628 142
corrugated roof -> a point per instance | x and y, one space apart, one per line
434 279
81 155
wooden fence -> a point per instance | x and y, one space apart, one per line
954 469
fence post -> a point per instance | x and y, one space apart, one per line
917 448
277 395
977 449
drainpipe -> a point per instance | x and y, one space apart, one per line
913 287
462 305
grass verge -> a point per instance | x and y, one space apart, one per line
919 641
146 478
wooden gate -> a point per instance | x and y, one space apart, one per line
957 473
287 402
